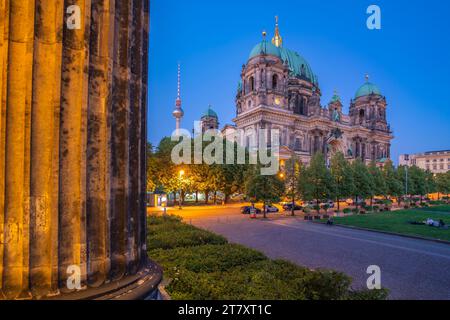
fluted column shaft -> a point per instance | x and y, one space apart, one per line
119 136
42 144
70 201
100 81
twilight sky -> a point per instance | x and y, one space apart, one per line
409 58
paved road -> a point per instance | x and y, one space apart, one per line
411 269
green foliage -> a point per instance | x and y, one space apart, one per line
169 232
292 170
379 187
206 258
381 294
399 222
363 180
315 182
442 183
342 176
393 180
265 188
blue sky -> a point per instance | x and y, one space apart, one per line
409 58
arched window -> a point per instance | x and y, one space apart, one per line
362 115
298 144
275 82
252 83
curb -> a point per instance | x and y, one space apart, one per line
387 232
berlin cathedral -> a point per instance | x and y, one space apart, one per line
279 90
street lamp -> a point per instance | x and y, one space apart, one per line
181 174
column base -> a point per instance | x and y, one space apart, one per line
141 286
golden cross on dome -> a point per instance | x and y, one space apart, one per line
277 39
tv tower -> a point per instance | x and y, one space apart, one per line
178 112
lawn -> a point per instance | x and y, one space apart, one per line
200 265
397 222
444 208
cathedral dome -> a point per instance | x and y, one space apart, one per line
210 113
298 66
367 89
265 47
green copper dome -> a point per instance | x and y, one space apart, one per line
210 113
335 98
298 66
265 47
367 89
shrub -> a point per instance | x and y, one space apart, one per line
381 294
407 207
306 210
207 258
168 232
376 208
355 211
268 279
347 210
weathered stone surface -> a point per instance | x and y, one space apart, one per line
72 145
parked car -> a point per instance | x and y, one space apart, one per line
329 203
271 209
288 207
247 210
351 202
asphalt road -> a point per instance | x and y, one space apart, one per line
410 268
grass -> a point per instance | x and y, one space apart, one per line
397 222
443 208
204 266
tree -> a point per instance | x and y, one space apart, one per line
379 184
292 171
362 180
342 176
315 183
442 181
417 182
393 183
263 188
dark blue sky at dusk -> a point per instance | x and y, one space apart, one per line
409 58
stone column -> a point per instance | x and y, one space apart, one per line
42 142
73 150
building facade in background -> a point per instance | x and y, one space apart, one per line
434 161
279 90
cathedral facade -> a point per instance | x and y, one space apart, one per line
278 90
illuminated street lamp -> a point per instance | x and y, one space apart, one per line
181 174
